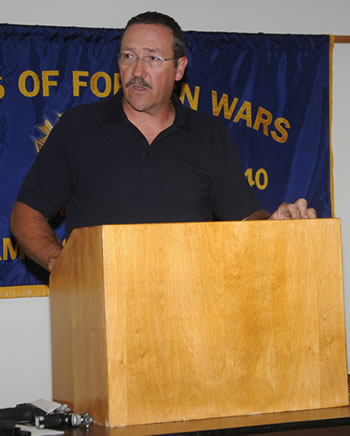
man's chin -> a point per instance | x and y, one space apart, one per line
137 104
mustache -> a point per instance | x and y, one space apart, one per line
139 81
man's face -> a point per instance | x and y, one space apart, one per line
149 89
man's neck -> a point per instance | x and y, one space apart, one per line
150 123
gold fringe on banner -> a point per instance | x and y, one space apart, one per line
24 291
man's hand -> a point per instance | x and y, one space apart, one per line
294 211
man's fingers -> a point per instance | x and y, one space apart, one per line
305 212
301 205
295 211
311 213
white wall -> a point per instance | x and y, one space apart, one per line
278 16
25 363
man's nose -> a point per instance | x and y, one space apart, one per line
139 67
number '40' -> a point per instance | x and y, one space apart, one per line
260 179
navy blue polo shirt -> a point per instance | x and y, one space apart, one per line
102 169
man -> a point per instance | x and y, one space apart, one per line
138 157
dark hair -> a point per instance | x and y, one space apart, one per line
179 45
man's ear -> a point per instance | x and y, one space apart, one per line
180 68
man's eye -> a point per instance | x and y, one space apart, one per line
127 57
156 59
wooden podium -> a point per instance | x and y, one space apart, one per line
168 322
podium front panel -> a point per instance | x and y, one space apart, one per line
207 320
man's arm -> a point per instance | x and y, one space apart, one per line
35 235
258 215
286 211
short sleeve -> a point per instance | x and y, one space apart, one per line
48 184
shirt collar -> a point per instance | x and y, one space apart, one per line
113 110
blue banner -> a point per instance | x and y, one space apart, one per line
271 91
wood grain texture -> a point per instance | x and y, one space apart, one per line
208 320
78 325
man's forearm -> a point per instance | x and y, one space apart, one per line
35 235
258 215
